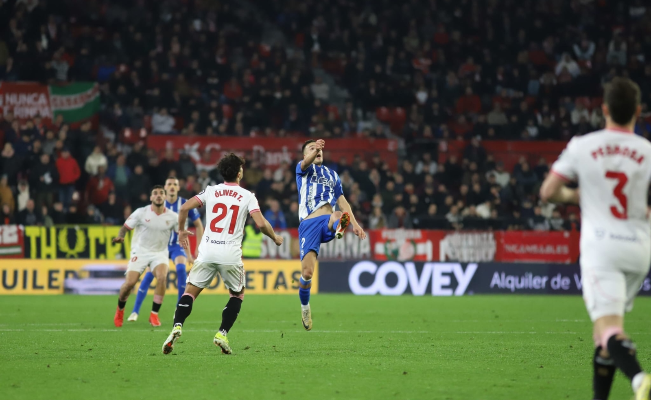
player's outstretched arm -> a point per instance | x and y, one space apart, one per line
553 190
265 227
121 235
183 217
344 206
310 155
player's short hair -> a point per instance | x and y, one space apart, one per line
622 96
306 143
159 187
171 177
229 166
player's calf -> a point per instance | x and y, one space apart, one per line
623 352
604 373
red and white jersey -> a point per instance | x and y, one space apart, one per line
152 231
227 208
613 169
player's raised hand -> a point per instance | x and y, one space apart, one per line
278 240
118 240
359 232
320 144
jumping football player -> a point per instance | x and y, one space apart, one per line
220 248
319 189
176 253
153 225
613 168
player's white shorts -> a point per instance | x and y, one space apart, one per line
202 273
140 262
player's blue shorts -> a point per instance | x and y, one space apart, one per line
175 251
312 232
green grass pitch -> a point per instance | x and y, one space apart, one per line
481 347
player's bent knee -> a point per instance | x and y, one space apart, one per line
239 295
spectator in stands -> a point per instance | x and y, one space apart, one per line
579 113
377 219
496 117
69 174
137 156
29 216
44 179
48 222
7 217
275 215
567 64
292 216
556 222
93 216
6 195
58 214
99 187
538 222
139 184
320 89
10 164
95 160
120 173
162 122
454 218
400 218
572 223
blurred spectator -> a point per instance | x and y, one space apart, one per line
377 219
99 187
6 215
139 184
23 195
572 223
538 222
69 173
162 122
275 215
10 164
400 218
95 160
120 174
57 214
48 222
29 216
426 165
93 216
556 221
43 178
6 195
292 216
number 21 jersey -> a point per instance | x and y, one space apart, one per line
613 169
227 208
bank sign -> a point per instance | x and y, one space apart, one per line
393 278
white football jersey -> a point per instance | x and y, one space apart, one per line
152 231
227 208
613 169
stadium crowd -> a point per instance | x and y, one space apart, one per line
200 68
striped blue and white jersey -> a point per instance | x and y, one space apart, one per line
317 186
193 215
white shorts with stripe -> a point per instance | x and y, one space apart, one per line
202 274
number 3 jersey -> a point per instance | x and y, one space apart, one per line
613 169
227 208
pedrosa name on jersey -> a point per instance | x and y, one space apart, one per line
617 151
229 193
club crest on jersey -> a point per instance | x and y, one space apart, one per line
322 180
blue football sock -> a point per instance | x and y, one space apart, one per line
142 291
335 225
181 277
304 294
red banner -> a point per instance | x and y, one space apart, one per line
12 243
558 247
26 100
433 245
401 245
271 151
